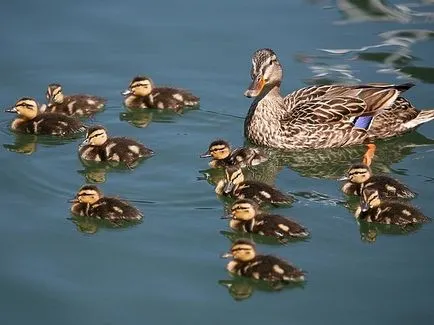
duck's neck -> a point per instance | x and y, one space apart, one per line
262 123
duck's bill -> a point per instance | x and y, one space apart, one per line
226 255
11 110
228 187
255 88
74 200
364 206
205 155
126 92
343 178
229 216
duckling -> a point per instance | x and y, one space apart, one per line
99 147
90 202
246 216
74 105
30 120
235 186
223 156
386 211
360 176
142 93
260 267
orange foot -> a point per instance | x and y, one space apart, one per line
369 154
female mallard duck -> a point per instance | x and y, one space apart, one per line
30 120
360 176
74 105
99 147
235 186
323 116
223 156
245 216
269 268
385 211
142 93
90 202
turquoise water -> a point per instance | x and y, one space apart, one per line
167 269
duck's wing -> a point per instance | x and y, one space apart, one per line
340 104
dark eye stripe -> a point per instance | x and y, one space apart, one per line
96 134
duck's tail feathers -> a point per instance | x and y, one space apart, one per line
404 87
422 117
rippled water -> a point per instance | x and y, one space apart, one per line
167 269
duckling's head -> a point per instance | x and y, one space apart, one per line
244 209
234 176
54 94
96 136
369 199
358 173
25 107
242 250
266 72
87 194
218 150
139 86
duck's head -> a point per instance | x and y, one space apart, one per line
25 107
244 210
139 86
266 72
54 94
218 150
242 250
358 173
87 194
369 199
96 136
234 176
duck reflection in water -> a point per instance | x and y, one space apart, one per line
142 118
241 288
27 144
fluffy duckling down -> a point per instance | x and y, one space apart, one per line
246 216
360 176
30 120
73 105
223 156
90 202
387 211
142 93
236 187
246 262
99 147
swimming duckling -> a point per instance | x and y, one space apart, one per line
30 120
90 202
360 176
223 156
246 216
142 93
235 186
99 147
260 267
390 212
73 105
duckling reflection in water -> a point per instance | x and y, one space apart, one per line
31 120
223 156
235 186
74 105
387 211
142 93
90 202
246 262
246 216
98 147
360 176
